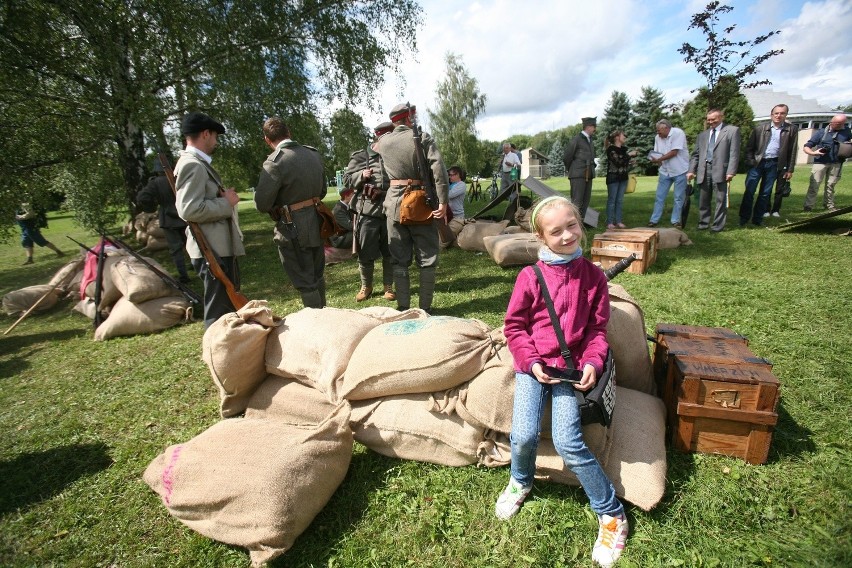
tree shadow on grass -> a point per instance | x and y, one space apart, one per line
367 472
35 476
21 348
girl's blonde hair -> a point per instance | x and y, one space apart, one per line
550 203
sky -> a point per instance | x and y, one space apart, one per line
545 64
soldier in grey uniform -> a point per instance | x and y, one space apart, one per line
411 241
291 184
579 160
370 183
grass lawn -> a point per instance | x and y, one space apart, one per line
81 420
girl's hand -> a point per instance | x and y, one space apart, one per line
541 376
589 379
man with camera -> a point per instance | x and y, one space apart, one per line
823 146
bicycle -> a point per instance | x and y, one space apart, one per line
474 193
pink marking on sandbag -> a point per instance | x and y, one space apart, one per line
168 475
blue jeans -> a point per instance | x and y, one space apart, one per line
765 172
614 200
530 398
664 183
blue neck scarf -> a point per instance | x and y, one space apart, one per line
549 257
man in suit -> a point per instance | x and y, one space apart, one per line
579 163
714 164
770 153
202 198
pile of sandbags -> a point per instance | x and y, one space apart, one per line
296 391
47 295
148 232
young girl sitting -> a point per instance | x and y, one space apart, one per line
580 296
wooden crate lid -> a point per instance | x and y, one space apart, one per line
734 372
653 234
699 331
713 349
625 237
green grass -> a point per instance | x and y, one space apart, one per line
82 420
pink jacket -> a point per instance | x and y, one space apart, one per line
581 298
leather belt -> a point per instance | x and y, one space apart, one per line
284 210
303 204
406 183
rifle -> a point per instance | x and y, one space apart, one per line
187 292
210 257
619 267
99 278
427 178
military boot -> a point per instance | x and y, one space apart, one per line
403 288
366 273
312 299
389 294
427 287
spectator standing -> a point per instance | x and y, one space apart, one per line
342 212
579 160
714 164
769 153
618 170
823 146
672 156
458 189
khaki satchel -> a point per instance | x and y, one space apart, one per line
414 209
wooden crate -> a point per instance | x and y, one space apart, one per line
724 408
611 246
665 330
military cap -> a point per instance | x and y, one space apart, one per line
400 111
383 128
196 122
590 121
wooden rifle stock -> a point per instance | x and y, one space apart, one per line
236 297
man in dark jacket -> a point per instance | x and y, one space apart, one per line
770 153
158 193
579 160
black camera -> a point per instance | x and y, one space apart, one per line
565 375
824 149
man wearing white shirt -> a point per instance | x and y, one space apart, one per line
671 154
509 160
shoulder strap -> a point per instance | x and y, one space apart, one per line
557 328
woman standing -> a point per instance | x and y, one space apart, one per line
618 168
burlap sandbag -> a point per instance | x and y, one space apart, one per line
486 400
140 222
127 318
254 483
233 348
628 340
672 238
86 307
141 237
513 249
65 276
154 231
386 314
420 427
549 464
514 230
138 283
154 243
19 301
636 462
495 450
315 345
416 356
470 237
288 401
522 218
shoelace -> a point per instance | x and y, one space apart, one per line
608 535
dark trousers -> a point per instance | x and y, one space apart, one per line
177 244
581 194
216 300
305 267
765 174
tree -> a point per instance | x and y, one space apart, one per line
723 56
348 134
453 122
87 92
616 117
647 110
555 157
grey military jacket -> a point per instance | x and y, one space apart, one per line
291 174
579 158
400 162
363 204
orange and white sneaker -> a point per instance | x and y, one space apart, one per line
612 533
